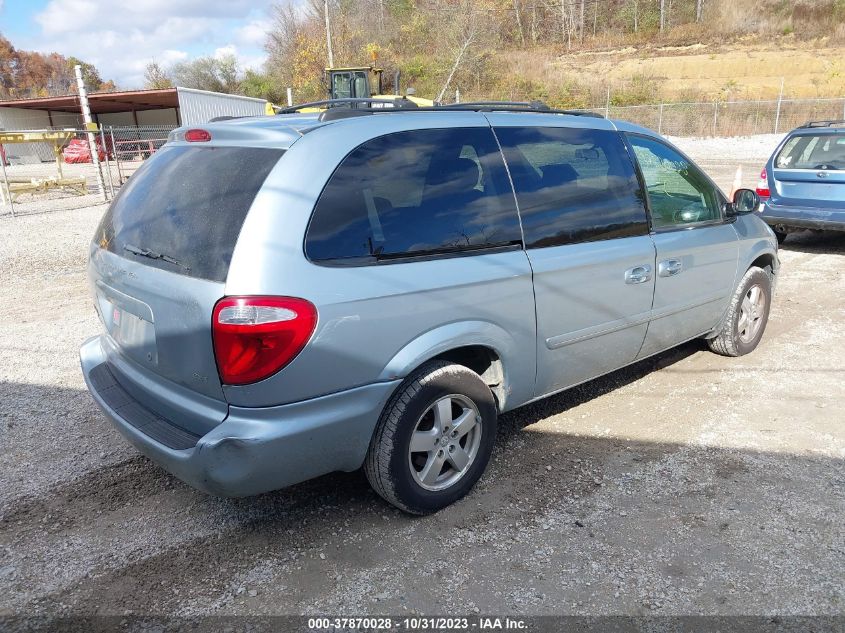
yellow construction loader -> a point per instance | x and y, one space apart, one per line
359 86
365 82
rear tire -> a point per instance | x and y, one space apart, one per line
747 315
780 235
434 438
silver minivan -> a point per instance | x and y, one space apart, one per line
283 297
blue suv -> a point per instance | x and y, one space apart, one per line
803 184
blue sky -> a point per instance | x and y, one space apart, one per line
121 36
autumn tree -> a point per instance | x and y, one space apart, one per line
8 67
156 78
26 74
90 75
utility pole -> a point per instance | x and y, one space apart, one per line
6 190
89 124
329 33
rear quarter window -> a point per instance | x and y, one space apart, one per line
573 185
415 193
188 204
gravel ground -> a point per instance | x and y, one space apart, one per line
686 484
62 199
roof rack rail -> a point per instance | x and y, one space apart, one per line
385 104
334 114
514 106
472 105
346 108
830 123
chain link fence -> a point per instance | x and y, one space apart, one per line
46 170
53 169
728 118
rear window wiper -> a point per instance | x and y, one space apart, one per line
145 252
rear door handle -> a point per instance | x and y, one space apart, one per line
638 274
669 267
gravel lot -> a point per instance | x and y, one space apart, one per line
687 484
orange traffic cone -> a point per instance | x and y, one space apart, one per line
737 183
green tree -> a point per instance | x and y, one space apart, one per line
218 74
263 86
90 75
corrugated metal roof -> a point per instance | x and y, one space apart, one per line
102 102
197 106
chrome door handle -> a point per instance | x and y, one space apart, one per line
638 275
669 267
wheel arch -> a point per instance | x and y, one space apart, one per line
483 347
767 261
485 362
761 254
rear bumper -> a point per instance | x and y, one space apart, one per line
804 217
252 450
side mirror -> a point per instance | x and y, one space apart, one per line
745 201
410 91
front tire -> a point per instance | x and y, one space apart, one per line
434 438
747 316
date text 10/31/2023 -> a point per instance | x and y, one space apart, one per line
419 623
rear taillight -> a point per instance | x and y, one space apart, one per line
197 136
763 184
254 337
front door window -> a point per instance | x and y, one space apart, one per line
679 193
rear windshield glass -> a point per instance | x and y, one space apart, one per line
183 209
813 151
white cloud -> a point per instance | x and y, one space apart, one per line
251 62
245 62
252 34
229 50
63 16
169 57
121 37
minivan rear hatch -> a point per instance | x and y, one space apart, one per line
159 263
809 171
